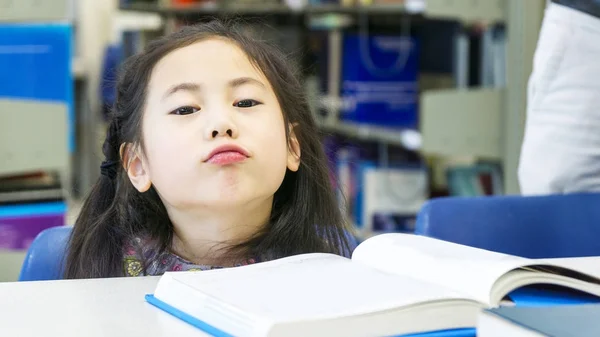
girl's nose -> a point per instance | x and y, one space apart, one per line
222 125
228 132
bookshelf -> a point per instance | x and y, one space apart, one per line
408 139
35 11
465 10
43 138
263 9
462 139
505 111
496 134
35 122
457 121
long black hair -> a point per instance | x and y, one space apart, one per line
305 215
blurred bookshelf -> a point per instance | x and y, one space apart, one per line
464 10
451 120
456 118
266 9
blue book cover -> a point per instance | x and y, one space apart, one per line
556 321
209 329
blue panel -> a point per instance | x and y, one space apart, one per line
379 80
47 208
35 64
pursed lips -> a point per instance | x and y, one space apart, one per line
226 155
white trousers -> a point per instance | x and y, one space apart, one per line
561 147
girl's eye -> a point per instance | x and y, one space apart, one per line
184 110
246 103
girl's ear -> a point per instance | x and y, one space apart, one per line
135 166
293 158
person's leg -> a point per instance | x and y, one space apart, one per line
561 147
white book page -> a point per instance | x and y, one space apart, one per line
311 286
465 269
586 265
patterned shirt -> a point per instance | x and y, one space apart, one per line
139 251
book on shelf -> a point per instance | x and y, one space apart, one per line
36 186
475 180
394 284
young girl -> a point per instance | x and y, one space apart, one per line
213 160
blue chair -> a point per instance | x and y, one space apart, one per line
45 257
529 226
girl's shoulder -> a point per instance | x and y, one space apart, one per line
136 251
141 257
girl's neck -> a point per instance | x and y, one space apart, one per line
206 238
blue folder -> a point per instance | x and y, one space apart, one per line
535 297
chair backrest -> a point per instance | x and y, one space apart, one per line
529 226
45 258
46 255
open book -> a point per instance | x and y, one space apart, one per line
394 284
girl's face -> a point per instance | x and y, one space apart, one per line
213 131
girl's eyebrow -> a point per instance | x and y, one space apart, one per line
195 87
186 86
245 80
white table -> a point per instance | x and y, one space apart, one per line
107 307
100 307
